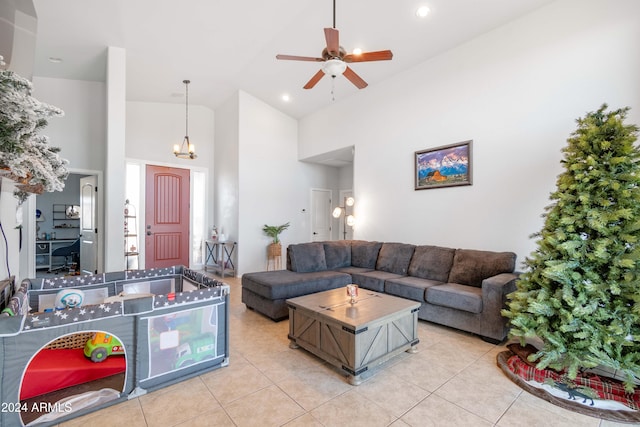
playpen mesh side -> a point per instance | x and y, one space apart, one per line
71 341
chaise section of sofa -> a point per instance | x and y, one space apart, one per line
267 292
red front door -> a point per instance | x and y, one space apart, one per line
166 217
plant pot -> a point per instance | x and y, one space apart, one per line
274 250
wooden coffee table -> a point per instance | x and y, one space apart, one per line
353 337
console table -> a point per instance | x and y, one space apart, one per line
219 257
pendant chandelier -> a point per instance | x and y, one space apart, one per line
187 149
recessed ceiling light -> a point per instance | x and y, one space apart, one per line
422 11
55 59
286 97
357 51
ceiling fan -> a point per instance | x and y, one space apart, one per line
335 58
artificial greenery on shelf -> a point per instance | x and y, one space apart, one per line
25 155
581 292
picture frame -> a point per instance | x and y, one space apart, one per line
444 166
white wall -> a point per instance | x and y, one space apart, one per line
116 103
274 187
18 28
10 261
226 166
515 91
154 128
80 133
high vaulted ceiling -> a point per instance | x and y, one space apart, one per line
226 46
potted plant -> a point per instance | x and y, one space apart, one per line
273 231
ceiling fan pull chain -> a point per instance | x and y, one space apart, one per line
333 88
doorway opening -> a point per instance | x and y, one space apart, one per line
136 193
339 170
59 233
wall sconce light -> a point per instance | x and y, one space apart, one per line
349 220
187 149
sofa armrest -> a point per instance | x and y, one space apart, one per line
496 288
494 297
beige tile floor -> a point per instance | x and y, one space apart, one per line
452 381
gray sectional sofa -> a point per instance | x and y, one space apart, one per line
460 288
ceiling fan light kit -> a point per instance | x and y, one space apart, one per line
334 67
335 58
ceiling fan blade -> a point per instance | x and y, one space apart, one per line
354 78
333 43
381 55
299 58
315 79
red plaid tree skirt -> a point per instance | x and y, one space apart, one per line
604 388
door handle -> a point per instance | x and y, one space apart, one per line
149 233
314 233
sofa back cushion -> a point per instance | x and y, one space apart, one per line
306 257
432 262
364 254
337 254
471 267
395 257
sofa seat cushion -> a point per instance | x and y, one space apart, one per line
373 280
282 284
432 262
354 270
364 254
454 295
471 267
409 287
307 257
337 254
395 257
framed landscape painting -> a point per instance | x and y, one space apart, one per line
446 166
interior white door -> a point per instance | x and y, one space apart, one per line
320 215
89 224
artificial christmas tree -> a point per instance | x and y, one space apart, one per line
580 294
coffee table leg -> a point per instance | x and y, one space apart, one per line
292 344
413 349
355 379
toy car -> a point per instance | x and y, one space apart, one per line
197 349
101 346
